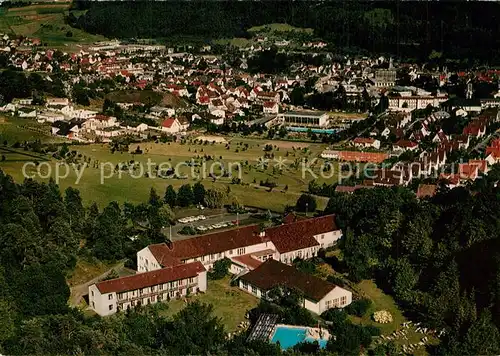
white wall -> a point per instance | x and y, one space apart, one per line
202 281
304 253
328 239
100 302
336 293
144 256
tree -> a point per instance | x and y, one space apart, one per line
170 196
74 207
306 203
193 330
220 269
154 198
185 196
215 198
198 193
42 290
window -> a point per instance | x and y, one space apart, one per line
110 307
202 258
92 293
212 257
244 284
241 251
191 280
220 255
160 287
322 237
93 305
230 252
110 296
343 300
153 289
254 290
153 299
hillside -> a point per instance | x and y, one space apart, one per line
460 29
45 22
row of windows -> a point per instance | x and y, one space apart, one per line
336 303
220 255
154 289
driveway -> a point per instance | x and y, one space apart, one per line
213 219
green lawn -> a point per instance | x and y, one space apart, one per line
279 27
230 303
125 188
46 22
382 301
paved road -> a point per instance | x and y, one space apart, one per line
77 292
213 219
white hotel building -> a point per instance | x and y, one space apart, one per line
166 271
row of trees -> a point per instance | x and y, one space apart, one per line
464 31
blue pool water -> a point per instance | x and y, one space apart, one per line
318 131
290 336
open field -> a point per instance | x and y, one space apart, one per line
15 129
279 27
230 303
243 156
46 22
236 42
382 301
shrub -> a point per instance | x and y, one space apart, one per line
187 230
359 307
336 317
336 280
220 269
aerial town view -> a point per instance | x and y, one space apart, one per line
249 177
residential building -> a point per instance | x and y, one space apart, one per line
304 118
111 296
319 295
364 142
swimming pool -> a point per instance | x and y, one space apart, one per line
289 336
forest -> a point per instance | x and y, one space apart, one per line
439 258
460 30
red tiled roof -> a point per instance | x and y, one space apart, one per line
480 163
287 237
168 122
406 143
206 245
273 273
364 140
355 156
270 104
148 279
299 235
292 217
248 261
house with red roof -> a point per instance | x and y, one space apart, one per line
366 142
270 107
160 285
171 125
405 145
